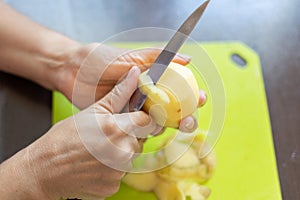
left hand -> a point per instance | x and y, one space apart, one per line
84 156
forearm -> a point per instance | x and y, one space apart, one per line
17 182
30 50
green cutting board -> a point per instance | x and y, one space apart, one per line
246 163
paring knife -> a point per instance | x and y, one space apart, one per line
168 53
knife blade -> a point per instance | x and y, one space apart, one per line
168 53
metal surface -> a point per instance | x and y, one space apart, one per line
167 54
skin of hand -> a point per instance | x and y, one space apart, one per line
78 77
59 164
96 68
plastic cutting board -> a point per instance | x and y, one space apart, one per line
246 164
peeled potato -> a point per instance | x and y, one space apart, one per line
182 179
186 167
174 96
168 191
145 182
194 190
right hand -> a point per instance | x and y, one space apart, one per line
84 64
59 162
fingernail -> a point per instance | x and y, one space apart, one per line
189 124
184 56
202 98
133 71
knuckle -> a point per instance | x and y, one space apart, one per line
136 58
125 153
142 119
112 188
115 187
125 148
109 126
117 175
112 175
117 91
105 105
133 147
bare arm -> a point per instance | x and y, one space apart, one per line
30 50
52 60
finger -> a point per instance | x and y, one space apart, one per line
115 100
146 57
136 124
182 59
158 131
188 124
202 98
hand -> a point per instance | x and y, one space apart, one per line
93 70
62 163
190 123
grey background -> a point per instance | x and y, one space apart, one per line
270 27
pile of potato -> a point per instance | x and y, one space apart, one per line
181 180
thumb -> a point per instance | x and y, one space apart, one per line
116 99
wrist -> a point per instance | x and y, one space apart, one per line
55 54
64 74
17 179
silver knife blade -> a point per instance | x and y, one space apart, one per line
168 53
